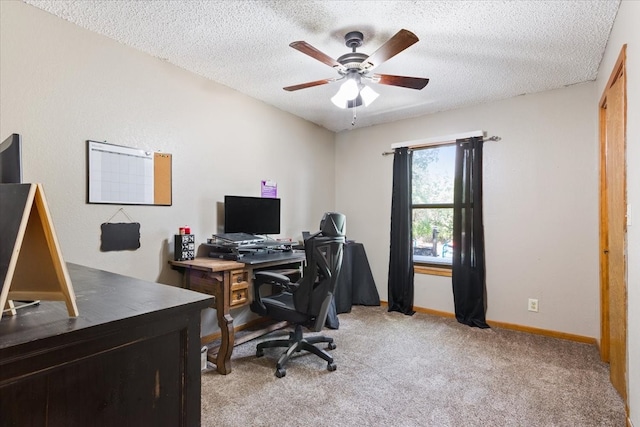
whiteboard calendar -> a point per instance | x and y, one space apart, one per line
125 175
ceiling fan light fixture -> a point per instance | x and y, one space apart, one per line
348 92
339 100
368 95
365 96
356 102
346 103
350 89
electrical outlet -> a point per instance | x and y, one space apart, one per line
533 304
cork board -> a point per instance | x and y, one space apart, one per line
162 177
126 175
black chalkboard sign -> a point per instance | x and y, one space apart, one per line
13 200
121 236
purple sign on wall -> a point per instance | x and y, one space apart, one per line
269 189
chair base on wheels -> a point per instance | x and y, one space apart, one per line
296 343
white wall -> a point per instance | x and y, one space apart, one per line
625 31
540 204
61 85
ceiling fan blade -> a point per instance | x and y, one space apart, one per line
396 44
403 81
307 49
308 84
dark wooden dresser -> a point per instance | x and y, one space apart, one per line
131 358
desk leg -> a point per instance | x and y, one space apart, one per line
225 323
218 285
223 359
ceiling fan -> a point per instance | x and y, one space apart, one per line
356 68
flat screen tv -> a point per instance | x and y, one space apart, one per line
11 160
254 215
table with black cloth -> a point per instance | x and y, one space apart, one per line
355 284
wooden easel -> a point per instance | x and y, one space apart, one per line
31 264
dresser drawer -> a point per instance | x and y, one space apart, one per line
239 288
205 282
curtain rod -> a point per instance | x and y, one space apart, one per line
491 138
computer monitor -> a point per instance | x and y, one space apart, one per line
11 160
254 215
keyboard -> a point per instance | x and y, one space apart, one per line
239 238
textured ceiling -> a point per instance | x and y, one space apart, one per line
472 51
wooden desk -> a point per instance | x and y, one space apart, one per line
229 282
129 358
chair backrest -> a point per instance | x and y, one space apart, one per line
323 252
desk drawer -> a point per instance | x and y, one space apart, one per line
239 288
205 282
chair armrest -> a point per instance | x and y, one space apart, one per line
276 279
267 278
271 278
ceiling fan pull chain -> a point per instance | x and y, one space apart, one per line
353 122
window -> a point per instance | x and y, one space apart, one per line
432 180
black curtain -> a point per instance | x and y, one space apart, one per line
400 283
468 274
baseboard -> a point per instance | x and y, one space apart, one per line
513 326
545 332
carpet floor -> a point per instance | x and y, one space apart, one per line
420 370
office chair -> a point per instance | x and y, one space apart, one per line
306 302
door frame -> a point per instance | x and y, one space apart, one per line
619 70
